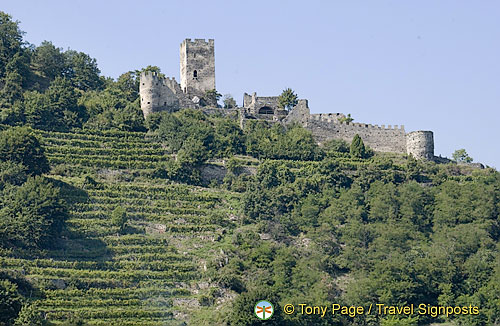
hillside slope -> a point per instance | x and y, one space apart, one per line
153 273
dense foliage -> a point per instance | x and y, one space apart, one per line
48 88
20 145
397 241
103 222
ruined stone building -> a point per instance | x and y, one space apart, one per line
197 63
197 75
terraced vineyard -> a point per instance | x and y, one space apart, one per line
153 273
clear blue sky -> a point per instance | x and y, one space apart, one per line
429 65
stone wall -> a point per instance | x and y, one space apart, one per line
420 144
379 138
161 94
197 66
264 106
329 117
325 127
299 114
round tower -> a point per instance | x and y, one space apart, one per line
149 90
420 144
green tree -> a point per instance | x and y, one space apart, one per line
129 118
34 214
288 99
464 202
119 218
212 97
12 115
228 138
49 61
10 302
29 316
175 128
297 144
97 102
192 152
11 40
397 321
128 84
12 173
20 145
461 156
16 75
229 101
357 147
12 90
276 142
337 146
56 109
83 71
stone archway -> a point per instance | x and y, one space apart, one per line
266 110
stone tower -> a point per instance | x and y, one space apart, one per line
420 144
197 66
157 93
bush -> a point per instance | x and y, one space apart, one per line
56 109
20 145
33 215
276 142
119 218
12 174
29 316
337 145
10 302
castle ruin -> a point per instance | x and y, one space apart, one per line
197 72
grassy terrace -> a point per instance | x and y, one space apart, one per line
148 275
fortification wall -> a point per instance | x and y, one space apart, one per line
326 126
379 138
328 117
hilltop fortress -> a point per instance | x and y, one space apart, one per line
197 75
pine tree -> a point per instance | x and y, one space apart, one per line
358 147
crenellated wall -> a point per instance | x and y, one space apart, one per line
328 117
379 138
325 127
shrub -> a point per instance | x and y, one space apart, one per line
20 145
119 218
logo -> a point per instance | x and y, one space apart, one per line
264 310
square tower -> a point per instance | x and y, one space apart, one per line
197 66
